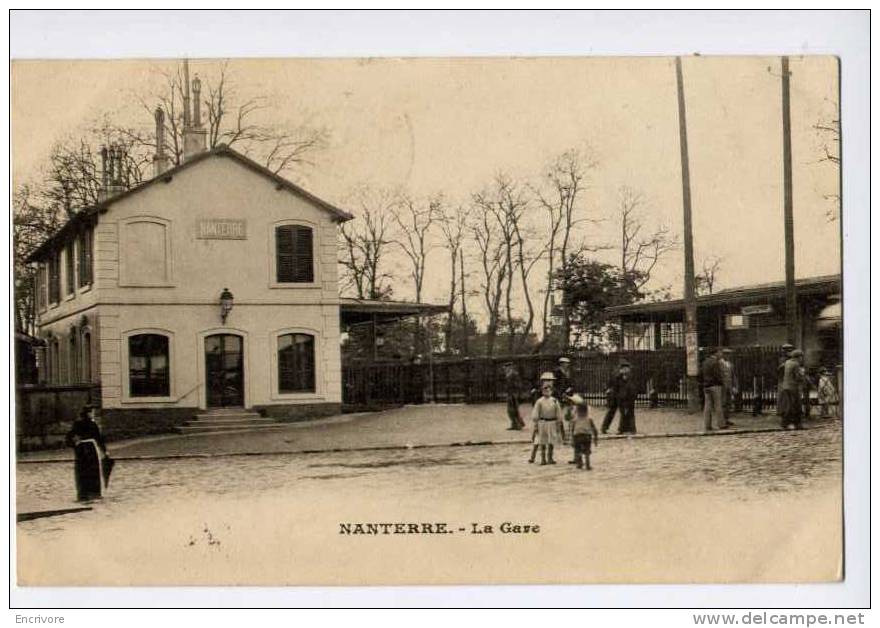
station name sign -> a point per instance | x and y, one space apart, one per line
751 310
222 229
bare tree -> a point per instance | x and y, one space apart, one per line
453 226
705 280
506 203
492 262
365 243
32 219
640 249
415 221
232 119
565 183
829 130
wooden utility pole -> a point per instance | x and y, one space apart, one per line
690 299
791 313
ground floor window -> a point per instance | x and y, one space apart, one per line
72 359
87 356
296 363
148 371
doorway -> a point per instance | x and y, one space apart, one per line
224 371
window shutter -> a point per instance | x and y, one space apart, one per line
284 260
304 271
294 254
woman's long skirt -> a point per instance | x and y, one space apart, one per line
87 470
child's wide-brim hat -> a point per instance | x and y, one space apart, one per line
578 400
548 376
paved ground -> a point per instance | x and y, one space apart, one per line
744 507
414 425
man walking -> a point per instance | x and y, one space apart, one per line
713 386
621 396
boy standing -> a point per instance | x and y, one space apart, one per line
584 433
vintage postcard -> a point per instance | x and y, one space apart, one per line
379 321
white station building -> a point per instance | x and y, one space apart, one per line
212 285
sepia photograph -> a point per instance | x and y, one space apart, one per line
427 320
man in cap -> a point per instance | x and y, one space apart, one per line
789 405
513 386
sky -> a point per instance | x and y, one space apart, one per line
450 125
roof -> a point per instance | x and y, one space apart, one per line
825 284
362 310
85 214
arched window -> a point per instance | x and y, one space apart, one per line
294 261
87 356
296 363
148 369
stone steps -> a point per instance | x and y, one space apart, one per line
227 420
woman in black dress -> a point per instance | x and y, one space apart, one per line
90 456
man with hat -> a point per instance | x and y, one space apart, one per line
513 386
713 386
621 394
789 403
563 389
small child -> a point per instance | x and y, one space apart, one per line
546 417
583 432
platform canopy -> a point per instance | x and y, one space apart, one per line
356 311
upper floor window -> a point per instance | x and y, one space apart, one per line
55 277
40 280
148 372
294 255
296 363
84 245
69 270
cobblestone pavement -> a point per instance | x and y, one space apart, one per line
678 507
746 465
412 425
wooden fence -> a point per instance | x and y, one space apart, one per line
43 414
658 375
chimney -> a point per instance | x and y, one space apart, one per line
160 159
112 172
194 135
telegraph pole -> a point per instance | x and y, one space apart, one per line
690 299
791 314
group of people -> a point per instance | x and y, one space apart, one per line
559 415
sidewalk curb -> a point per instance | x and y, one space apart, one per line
755 430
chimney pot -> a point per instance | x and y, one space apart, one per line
160 161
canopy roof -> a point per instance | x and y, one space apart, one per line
756 293
354 311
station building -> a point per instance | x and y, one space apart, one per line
211 285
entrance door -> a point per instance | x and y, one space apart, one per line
224 371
